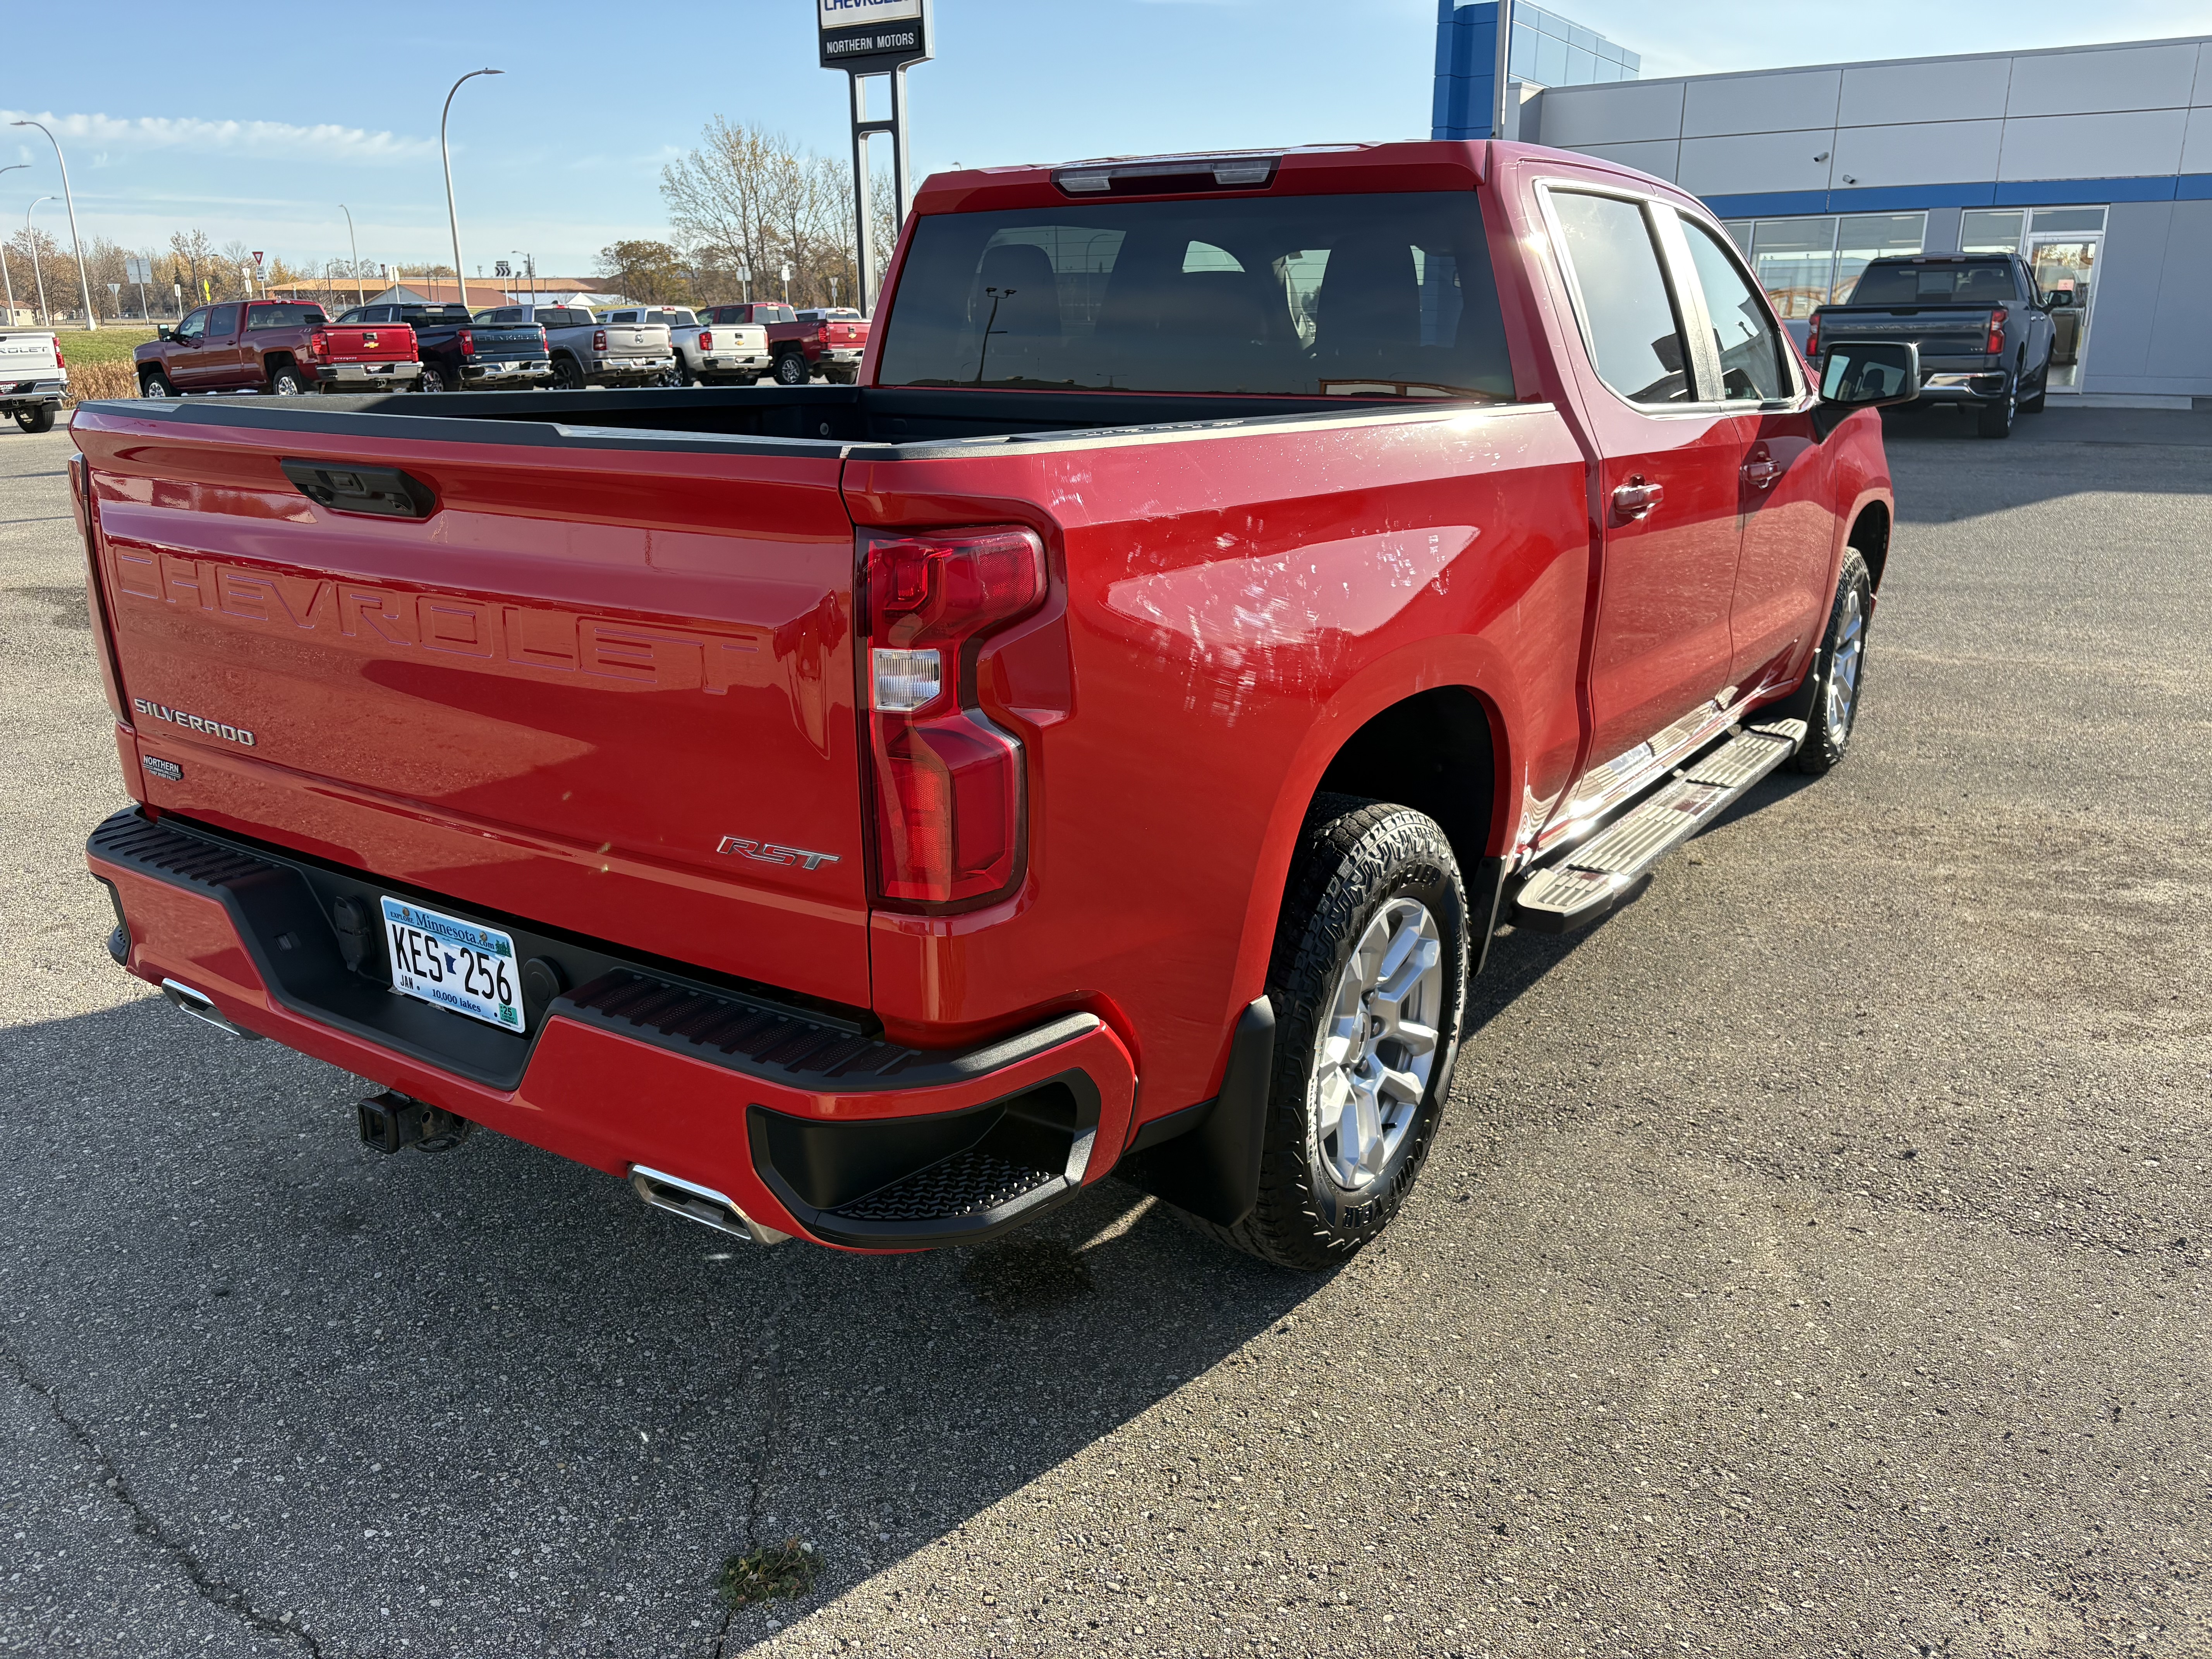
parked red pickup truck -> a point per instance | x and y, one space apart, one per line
274 346
1104 739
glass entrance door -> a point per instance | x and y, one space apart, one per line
2066 266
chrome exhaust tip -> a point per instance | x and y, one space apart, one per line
701 1204
200 1007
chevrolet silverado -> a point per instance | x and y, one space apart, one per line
1105 738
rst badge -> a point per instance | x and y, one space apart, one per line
769 853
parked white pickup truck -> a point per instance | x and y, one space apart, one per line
33 378
716 352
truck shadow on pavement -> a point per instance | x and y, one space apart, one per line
487 1392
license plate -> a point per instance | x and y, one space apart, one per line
451 964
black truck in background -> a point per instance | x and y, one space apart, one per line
462 354
1985 335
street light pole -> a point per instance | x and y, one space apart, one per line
46 317
7 280
452 215
91 317
353 242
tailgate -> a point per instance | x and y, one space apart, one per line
357 342
1938 330
847 334
637 340
27 357
597 660
516 340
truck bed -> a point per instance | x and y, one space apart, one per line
823 416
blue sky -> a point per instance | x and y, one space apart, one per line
168 124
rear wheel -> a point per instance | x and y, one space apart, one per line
36 417
567 374
1828 702
1368 982
790 369
433 379
1996 421
681 375
285 382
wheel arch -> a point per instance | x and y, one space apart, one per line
1869 537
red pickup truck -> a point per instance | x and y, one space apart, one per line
804 344
1104 739
276 346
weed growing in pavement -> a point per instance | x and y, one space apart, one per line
779 1572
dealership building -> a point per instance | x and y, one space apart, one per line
2094 162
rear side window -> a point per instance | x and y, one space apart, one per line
1750 349
1372 295
222 321
1635 342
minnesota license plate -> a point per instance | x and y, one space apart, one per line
451 964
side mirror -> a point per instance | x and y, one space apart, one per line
1867 374
163 332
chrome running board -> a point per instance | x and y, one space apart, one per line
1615 864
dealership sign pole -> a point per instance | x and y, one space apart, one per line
864 37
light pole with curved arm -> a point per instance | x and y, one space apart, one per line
452 217
359 298
31 248
91 317
6 280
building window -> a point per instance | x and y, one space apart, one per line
1986 230
1551 52
1813 261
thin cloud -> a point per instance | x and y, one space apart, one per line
277 139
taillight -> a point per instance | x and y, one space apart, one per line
468 343
1813 338
949 793
706 340
1996 332
544 345
822 334
599 339
318 345
60 361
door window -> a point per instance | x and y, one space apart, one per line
1751 368
191 331
222 322
1627 315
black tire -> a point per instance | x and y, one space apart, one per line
1996 419
790 369
681 375
1355 857
38 417
433 379
567 374
1826 739
284 381
156 384
2034 405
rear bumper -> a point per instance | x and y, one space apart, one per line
1944 386
810 1122
616 371
364 374
531 371
25 394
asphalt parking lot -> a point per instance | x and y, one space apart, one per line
1814 1262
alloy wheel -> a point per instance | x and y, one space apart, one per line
1379 1044
1844 668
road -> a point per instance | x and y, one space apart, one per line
1812 1263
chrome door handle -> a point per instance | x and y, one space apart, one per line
1761 472
1636 498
